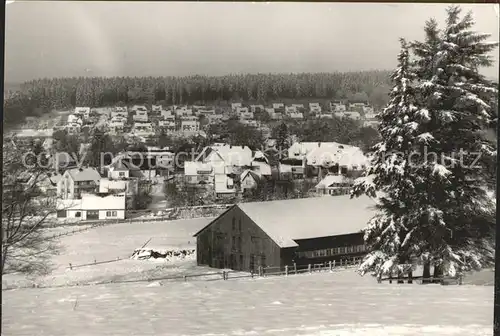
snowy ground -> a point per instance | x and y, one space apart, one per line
115 241
339 303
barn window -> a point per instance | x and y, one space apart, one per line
263 261
342 250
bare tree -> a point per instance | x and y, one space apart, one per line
25 211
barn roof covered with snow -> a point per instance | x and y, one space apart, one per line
286 221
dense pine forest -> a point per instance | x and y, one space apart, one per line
42 95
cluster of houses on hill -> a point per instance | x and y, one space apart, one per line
142 120
331 164
220 169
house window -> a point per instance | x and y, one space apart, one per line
121 174
111 213
61 214
78 214
341 250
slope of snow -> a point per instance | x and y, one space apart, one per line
339 303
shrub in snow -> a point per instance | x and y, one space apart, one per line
157 253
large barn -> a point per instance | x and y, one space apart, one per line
279 233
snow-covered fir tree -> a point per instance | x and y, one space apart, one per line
389 176
431 167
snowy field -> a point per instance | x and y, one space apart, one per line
115 241
339 303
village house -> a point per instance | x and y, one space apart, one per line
76 181
249 180
290 109
116 125
129 187
315 108
48 184
215 118
256 108
337 106
92 207
206 112
371 123
298 232
156 108
143 129
296 116
323 157
167 125
277 106
234 106
183 112
250 123
291 168
222 163
246 115
167 115
82 112
136 108
141 115
371 115
242 111
298 106
189 125
119 112
74 124
352 115
334 185
324 114
367 110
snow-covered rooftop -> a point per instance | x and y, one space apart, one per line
288 220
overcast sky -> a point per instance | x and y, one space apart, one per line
53 39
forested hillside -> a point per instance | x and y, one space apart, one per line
40 96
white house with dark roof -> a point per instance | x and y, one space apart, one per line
278 106
156 108
286 233
167 115
296 115
92 207
298 106
76 181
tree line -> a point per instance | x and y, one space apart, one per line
42 95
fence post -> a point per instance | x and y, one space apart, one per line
70 267
295 267
185 278
251 274
95 261
330 265
286 269
309 268
334 263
